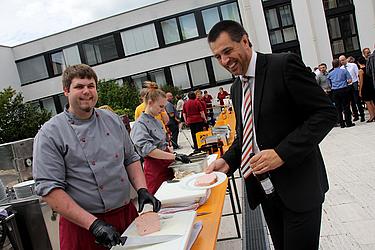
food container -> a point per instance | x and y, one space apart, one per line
197 165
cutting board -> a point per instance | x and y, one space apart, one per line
179 223
174 194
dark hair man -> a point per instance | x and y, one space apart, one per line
281 116
84 166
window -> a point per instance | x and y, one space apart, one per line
32 69
214 15
100 50
158 77
198 72
63 100
342 29
71 56
180 76
221 74
170 31
58 63
332 4
139 79
280 24
188 26
184 25
139 39
210 18
49 104
230 12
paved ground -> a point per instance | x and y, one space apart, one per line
348 220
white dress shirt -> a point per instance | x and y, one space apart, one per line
353 71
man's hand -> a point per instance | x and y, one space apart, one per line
219 165
105 234
182 158
145 197
264 161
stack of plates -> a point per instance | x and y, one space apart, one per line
3 193
24 189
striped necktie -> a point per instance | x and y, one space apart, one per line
247 138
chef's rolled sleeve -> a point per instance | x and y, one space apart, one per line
48 165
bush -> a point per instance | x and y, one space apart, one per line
19 120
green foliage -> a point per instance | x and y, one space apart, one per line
122 98
19 120
174 90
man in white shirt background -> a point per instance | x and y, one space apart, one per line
354 96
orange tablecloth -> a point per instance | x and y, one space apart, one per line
211 222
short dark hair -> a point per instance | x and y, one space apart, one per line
205 92
361 60
81 71
234 30
323 64
192 95
335 63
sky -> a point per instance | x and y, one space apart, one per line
26 20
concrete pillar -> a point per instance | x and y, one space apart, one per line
312 31
8 69
365 16
254 23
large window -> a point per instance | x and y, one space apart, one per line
58 63
71 56
221 74
198 72
331 4
281 27
178 29
180 76
100 50
280 24
341 23
214 15
32 69
139 79
158 76
139 39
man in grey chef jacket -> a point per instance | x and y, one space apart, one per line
84 164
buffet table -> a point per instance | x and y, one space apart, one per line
211 215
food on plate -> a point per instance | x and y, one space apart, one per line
147 223
206 180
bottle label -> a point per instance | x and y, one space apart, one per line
267 186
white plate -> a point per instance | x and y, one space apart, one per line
189 181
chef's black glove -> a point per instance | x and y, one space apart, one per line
182 158
145 197
104 233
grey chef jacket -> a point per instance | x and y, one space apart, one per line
86 158
148 134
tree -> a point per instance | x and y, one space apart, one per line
122 98
19 120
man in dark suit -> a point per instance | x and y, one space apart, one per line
289 116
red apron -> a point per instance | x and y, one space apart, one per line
156 172
74 237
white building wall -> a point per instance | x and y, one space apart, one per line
108 25
365 15
312 31
8 69
254 22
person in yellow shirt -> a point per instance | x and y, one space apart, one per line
163 116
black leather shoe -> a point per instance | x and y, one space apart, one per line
342 126
362 119
356 119
350 125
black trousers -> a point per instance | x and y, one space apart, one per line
292 230
342 99
173 127
195 128
355 100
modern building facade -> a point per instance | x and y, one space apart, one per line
166 43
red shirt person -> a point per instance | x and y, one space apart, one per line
222 95
194 116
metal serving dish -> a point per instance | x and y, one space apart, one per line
197 165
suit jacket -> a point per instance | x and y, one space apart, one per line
292 115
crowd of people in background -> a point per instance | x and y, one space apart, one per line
350 84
